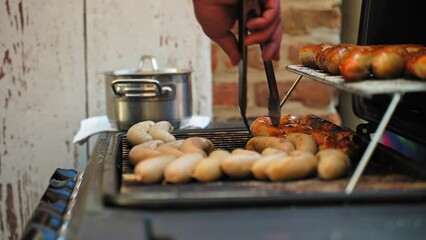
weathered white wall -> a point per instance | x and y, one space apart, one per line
45 80
42 92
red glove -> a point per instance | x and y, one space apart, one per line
217 18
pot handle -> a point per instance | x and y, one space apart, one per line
155 91
149 58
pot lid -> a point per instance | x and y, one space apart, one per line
153 70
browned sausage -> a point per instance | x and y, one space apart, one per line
307 56
388 62
415 65
356 66
412 47
335 57
321 55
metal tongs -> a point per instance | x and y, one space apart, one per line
249 9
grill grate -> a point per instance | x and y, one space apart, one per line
381 184
227 140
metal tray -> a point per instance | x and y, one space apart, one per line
366 88
388 179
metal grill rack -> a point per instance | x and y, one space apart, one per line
228 139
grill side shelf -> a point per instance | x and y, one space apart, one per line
367 88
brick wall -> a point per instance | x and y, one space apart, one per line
304 22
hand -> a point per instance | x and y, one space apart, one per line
217 18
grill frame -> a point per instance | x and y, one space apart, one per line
117 192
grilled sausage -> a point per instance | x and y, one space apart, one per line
239 165
181 169
412 47
208 169
270 151
259 167
175 144
321 55
303 142
164 125
415 66
420 67
153 144
161 134
138 154
262 126
356 66
243 151
197 145
169 150
334 58
307 56
138 133
259 144
296 166
388 62
151 170
332 163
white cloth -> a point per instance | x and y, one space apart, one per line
94 125
91 126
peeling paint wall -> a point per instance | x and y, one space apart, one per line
41 101
52 55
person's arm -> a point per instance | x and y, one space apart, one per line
217 18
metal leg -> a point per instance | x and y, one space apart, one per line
290 90
373 143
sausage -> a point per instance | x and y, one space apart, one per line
259 144
138 133
334 58
412 47
243 151
415 66
208 169
151 170
322 55
259 167
197 145
270 151
175 144
388 62
169 150
420 67
332 163
356 66
181 169
139 153
164 125
303 142
239 165
153 144
262 126
307 56
297 165
161 134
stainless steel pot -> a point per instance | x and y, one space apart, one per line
148 94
